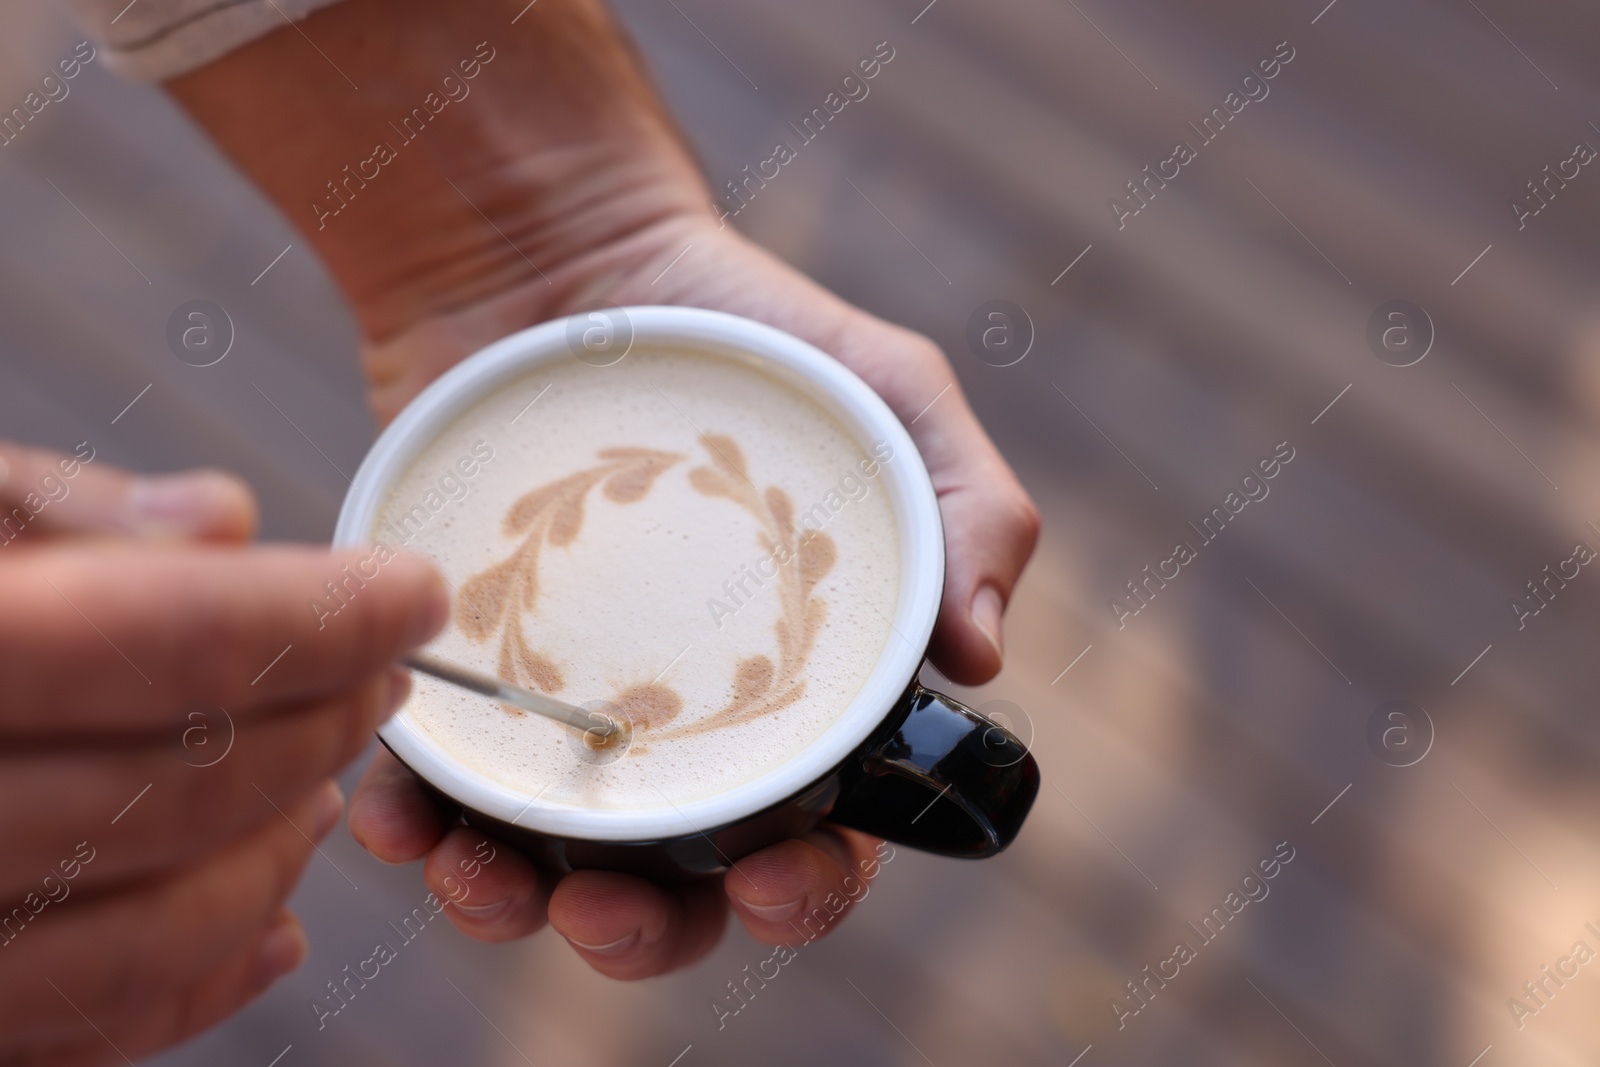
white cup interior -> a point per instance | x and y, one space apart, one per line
804 368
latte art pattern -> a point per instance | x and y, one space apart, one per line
592 562
496 600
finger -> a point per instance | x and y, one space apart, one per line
990 523
129 950
48 494
219 994
990 529
143 633
494 892
391 815
802 887
626 928
222 992
168 812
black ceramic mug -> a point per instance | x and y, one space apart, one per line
901 761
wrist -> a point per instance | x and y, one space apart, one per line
479 162
475 310
537 231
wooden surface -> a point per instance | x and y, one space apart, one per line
1178 751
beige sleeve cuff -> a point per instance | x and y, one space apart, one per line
152 40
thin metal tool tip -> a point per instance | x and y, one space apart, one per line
595 724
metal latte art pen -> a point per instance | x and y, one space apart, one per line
600 730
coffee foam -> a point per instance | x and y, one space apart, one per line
639 535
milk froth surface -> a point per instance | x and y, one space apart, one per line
679 534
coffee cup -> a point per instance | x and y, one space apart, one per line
581 484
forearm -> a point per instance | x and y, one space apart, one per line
554 142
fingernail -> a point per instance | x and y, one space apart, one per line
986 608
281 951
179 503
330 805
485 912
621 946
774 913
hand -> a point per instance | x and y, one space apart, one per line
623 926
559 185
160 786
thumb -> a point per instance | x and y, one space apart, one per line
47 494
990 523
990 528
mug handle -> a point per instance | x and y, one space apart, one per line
939 777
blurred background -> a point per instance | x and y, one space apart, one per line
1440 859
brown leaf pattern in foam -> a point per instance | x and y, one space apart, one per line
496 600
761 687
